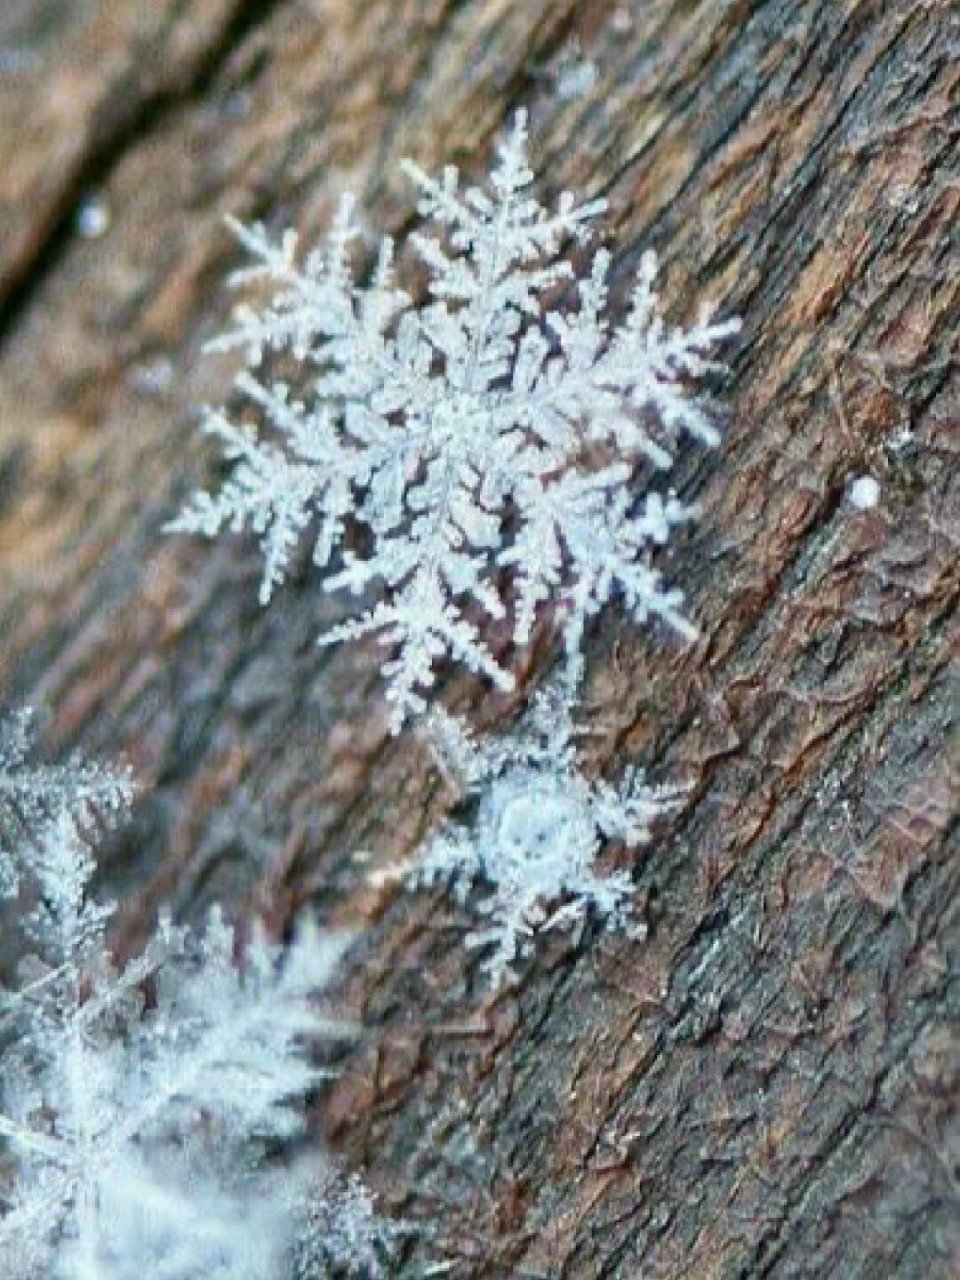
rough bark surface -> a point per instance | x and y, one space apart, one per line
768 1084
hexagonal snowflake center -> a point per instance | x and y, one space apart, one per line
542 824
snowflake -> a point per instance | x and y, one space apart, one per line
136 1102
538 827
497 424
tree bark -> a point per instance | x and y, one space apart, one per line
767 1085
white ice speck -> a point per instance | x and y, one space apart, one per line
93 219
864 493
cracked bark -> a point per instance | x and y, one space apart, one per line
767 1085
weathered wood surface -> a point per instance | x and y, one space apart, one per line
768 1084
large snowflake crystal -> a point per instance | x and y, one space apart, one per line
537 831
497 424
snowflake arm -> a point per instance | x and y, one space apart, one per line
275 491
229 1040
32 796
669 356
423 625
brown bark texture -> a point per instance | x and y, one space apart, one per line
767 1085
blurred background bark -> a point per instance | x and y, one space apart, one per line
768 1084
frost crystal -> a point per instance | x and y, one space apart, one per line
537 831
498 424
135 1102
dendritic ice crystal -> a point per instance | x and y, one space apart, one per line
533 842
137 1102
496 426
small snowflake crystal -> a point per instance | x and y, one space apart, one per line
497 424
537 832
